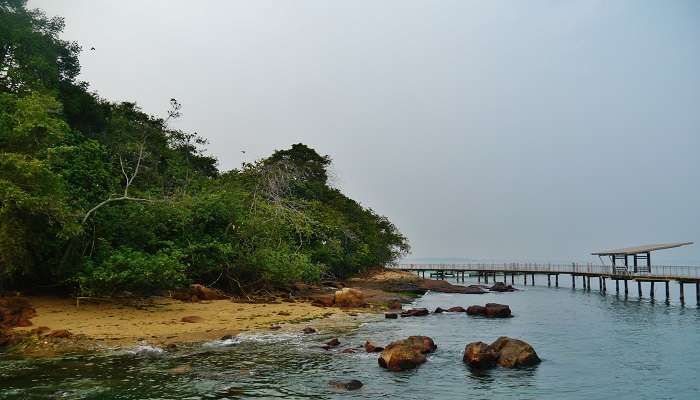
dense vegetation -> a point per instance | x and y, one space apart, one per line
98 197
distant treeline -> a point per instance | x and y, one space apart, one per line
99 198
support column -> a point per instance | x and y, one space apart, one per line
651 292
668 294
525 279
605 286
617 286
478 277
512 278
573 281
556 280
584 282
697 292
682 294
549 280
639 288
486 278
533 279
626 291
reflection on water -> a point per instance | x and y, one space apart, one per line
592 346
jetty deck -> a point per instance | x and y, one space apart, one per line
655 274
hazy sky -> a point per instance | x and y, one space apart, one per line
518 130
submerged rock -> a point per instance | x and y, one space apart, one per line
407 353
491 310
415 312
394 304
348 350
502 287
505 351
352 384
456 309
372 347
391 315
192 319
333 342
438 311
308 330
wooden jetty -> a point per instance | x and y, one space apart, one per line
617 272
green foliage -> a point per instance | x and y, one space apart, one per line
130 270
99 197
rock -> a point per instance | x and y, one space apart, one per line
407 353
372 347
40 330
348 351
493 310
513 353
476 310
308 330
275 327
456 309
394 304
323 301
197 292
349 297
192 319
227 337
15 311
447 287
415 312
438 311
480 355
352 384
59 333
502 287
333 342
391 315
284 313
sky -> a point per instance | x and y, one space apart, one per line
487 130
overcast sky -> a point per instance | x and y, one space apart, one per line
507 130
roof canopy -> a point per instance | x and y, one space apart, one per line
627 251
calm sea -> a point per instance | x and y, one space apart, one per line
592 347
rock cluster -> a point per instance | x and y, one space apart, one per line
502 287
197 292
505 351
15 311
415 312
349 297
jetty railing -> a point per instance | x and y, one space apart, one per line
657 271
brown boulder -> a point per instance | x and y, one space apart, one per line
372 347
15 311
456 309
349 297
406 354
493 310
480 355
323 301
352 384
513 353
415 312
502 287
192 319
391 315
349 351
447 287
333 342
394 304
438 311
40 330
309 330
476 310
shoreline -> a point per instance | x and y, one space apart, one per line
96 325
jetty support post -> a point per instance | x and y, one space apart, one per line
626 291
651 291
682 294
668 294
556 280
697 291
639 289
617 286
573 281
605 286
549 280
533 279
584 282
512 278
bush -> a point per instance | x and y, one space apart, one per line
130 270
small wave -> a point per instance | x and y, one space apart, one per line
145 349
254 338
